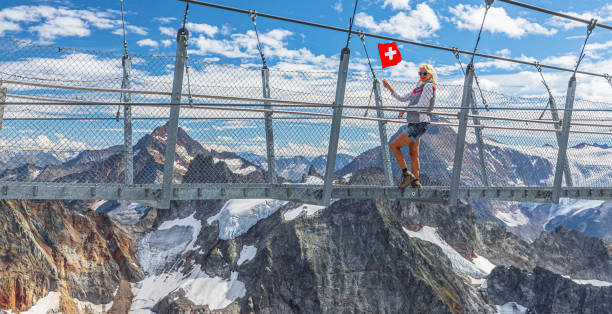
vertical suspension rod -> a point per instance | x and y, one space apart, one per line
177 86
335 127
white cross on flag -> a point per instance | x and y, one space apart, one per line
389 54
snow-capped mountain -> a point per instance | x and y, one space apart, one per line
293 168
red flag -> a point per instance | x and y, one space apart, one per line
389 54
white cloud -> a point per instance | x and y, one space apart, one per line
164 20
397 4
504 52
598 46
337 6
167 31
131 29
6 26
50 22
148 43
209 30
61 26
566 61
421 22
274 42
166 43
603 14
497 21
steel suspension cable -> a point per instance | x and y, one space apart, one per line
125 46
590 28
187 66
608 78
361 36
351 20
125 54
551 98
253 16
484 101
562 15
487 7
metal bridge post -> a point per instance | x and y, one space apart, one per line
466 99
126 61
480 142
265 78
382 130
2 101
566 167
335 127
562 153
175 105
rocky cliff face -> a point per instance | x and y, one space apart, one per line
352 257
542 291
44 247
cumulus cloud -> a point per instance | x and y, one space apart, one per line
131 29
421 22
166 43
6 26
598 46
397 4
244 46
209 30
498 21
147 43
169 31
164 20
50 22
603 14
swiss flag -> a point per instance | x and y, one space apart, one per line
389 54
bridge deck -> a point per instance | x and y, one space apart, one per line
151 194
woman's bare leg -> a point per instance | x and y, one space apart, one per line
414 157
401 141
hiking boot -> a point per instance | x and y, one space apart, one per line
415 184
407 179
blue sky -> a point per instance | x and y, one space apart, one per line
510 30
225 37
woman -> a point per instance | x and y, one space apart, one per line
422 99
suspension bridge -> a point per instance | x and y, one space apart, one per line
88 125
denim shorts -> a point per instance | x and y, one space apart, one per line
415 130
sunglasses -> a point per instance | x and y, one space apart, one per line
423 73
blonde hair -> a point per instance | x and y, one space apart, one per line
430 70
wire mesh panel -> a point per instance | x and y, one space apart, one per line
301 141
51 132
589 153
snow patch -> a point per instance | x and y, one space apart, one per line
238 216
511 308
189 221
128 213
513 218
248 253
51 304
199 288
484 264
236 166
313 180
476 270
593 282
171 239
295 212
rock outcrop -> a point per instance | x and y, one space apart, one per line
45 247
543 291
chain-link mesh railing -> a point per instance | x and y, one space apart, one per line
222 137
